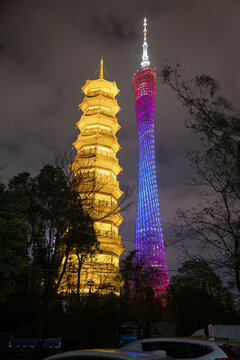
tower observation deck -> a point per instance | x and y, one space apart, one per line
149 237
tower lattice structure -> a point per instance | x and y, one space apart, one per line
149 237
97 166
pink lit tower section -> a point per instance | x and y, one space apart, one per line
149 237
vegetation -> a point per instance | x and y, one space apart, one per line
197 297
31 305
43 221
13 255
214 223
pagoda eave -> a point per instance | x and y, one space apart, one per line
108 86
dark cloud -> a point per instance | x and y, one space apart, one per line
2 47
114 28
11 148
162 155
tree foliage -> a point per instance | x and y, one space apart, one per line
13 232
53 224
197 297
215 221
137 295
137 277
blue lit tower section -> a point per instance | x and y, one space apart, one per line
149 237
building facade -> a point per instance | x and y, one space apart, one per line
96 166
149 237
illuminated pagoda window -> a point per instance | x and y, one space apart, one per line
149 237
97 164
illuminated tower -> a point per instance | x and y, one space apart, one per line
149 237
97 164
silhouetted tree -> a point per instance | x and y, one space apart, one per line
197 297
215 221
56 226
138 301
13 233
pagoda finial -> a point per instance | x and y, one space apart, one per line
145 61
101 69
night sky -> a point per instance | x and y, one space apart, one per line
49 48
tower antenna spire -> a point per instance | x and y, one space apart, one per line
101 69
145 61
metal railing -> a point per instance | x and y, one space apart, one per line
97 151
97 130
108 234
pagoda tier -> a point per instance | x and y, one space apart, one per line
97 167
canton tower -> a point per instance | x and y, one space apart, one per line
149 237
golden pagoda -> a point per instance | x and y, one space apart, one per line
97 166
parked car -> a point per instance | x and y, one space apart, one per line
105 354
233 350
180 348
